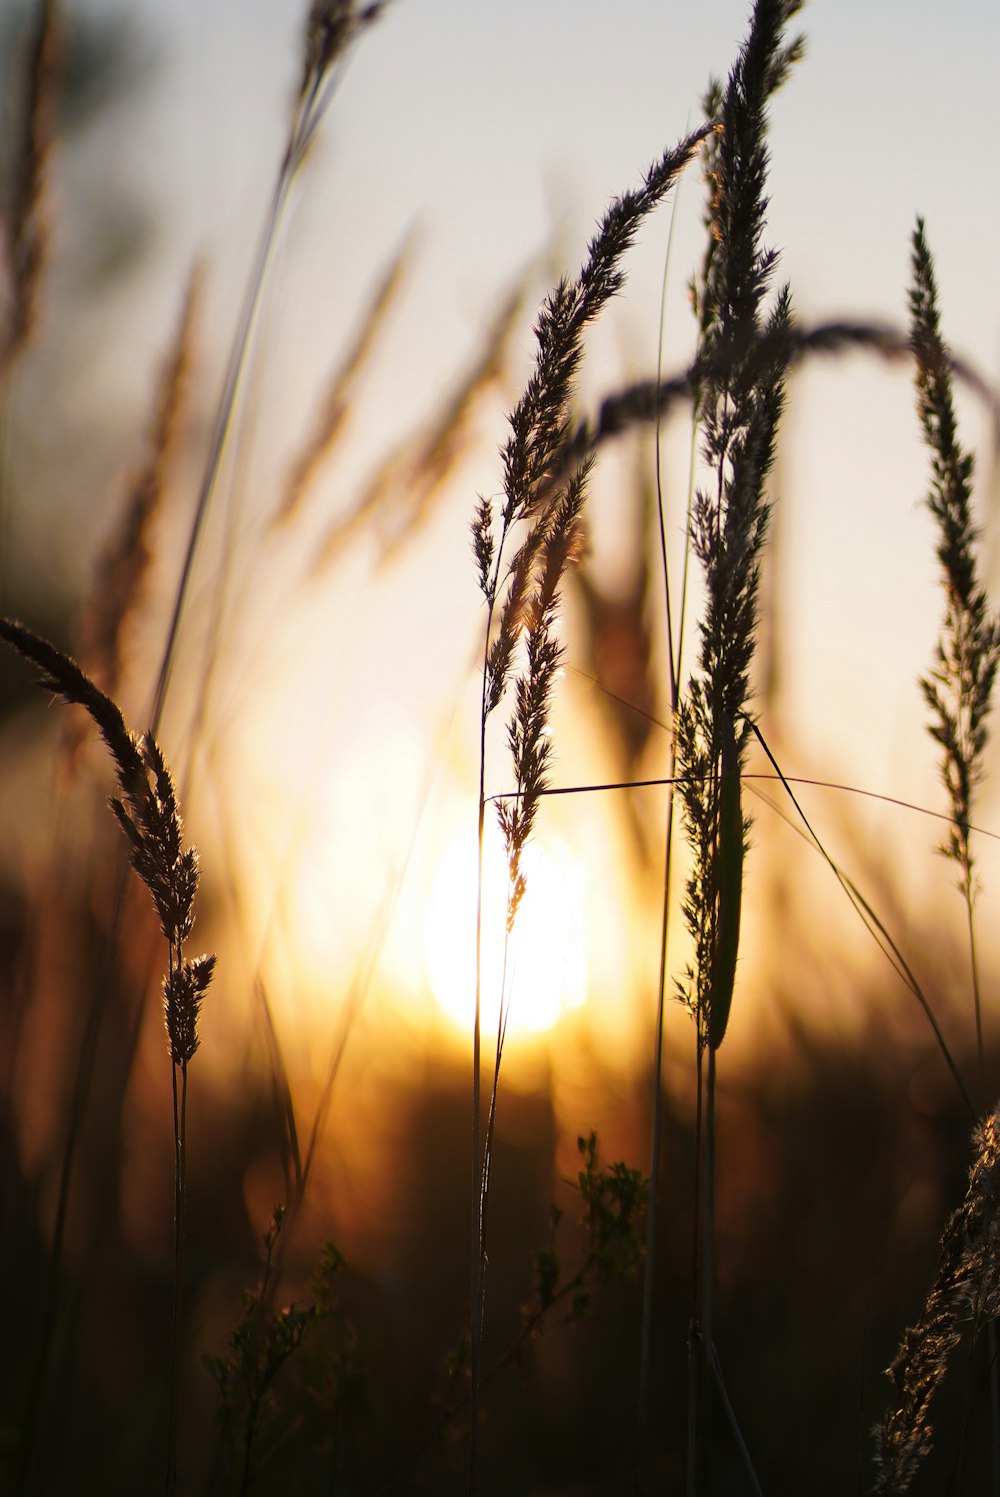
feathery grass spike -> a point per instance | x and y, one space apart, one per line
148 815
743 358
958 691
524 599
966 1289
745 351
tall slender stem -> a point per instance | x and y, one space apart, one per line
708 1212
476 1244
180 1196
674 666
695 1336
655 1152
974 966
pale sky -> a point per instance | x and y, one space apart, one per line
494 128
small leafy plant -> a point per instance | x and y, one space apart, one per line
262 1343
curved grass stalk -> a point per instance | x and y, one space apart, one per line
148 814
121 573
739 399
27 249
640 403
522 601
959 690
675 658
332 28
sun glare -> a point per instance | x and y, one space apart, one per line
543 975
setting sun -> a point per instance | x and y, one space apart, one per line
546 954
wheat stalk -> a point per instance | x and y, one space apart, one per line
958 690
401 493
331 29
330 421
739 402
149 816
26 224
522 601
123 569
966 1290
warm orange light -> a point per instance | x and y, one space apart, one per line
540 969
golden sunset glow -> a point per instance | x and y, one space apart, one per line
545 960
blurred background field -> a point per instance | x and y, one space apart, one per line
322 722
